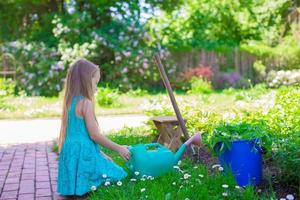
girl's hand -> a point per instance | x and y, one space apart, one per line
124 152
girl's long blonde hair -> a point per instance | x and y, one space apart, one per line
77 83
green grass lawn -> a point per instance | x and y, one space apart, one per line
44 107
200 185
203 182
213 184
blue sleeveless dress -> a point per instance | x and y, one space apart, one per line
81 165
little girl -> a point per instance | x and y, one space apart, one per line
81 163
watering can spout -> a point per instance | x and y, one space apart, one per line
179 153
195 140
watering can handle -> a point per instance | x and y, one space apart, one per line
154 145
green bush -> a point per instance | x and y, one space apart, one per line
107 97
137 92
198 119
200 86
251 94
7 87
283 56
278 127
284 123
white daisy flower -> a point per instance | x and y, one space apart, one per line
186 176
259 190
93 188
224 194
224 186
104 176
237 187
186 199
201 175
133 179
107 183
179 162
143 190
290 197
195 167
136 173
119 183
174 183
215 166
221 169
152 178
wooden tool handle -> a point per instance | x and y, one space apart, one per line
171 95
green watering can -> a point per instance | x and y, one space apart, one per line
154 159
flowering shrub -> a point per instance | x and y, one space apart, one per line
204 72
39 72
119 47
194 76
276 79
226 80
122 48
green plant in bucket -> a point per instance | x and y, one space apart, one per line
225 133
239 149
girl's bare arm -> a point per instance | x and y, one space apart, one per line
95 134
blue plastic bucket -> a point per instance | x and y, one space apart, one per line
244 158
